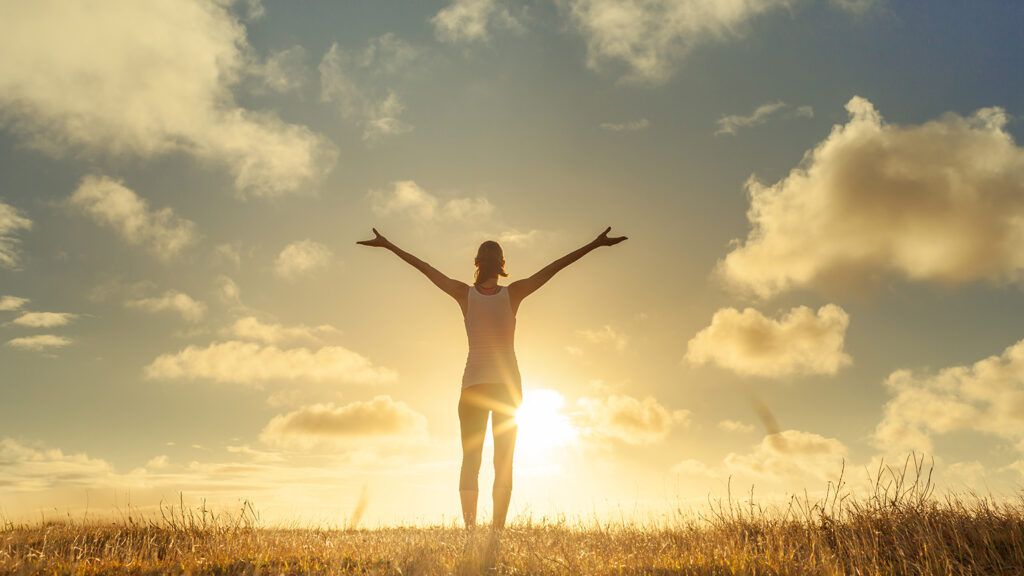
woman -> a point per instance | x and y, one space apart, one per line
491 384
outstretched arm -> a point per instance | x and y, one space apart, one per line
454 288
522 288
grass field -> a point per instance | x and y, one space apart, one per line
901 528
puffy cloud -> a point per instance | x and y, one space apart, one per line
251 363
406 198
749 343
158 462
469 20
521 237
229 292
735 426
252 328
409 199
627 419
732 124
228 253
44 319
110 203
462 209
379 419
606 335
302 258
280 482
650 36
39 342
695 468
354 81
985 397
11 222
631 126
171 301
11 303
142 79
941 201
970 474
283 71
27 469
791 455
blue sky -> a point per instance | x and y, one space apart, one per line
182 184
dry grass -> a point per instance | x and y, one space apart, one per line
902 528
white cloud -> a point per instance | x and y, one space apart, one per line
251 363
476 215
470 20
355 82
855 6
228 253
749 343
255 10
627 419
735 426
631 126
695 468
649 37
229 292
791 455
986 397
252 328
733 123
606 335
39 342
11 222
44 319
521 237
26 468
941 201
171 301
11 303
281 483
284 70
158 462
358 422
409 199
302 258
406 198
804 111
970 474
143 79
110 203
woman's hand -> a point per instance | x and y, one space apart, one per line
378 241
604 240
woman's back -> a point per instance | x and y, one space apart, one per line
490 330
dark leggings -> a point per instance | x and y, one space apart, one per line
476 402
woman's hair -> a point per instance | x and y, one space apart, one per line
490 262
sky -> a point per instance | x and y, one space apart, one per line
824 201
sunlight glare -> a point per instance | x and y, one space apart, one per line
542 424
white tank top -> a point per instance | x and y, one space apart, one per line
490 328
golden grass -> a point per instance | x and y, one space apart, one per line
901 528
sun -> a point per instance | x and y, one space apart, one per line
543 426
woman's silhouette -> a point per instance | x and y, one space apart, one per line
490 382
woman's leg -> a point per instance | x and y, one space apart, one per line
473 424
504 429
